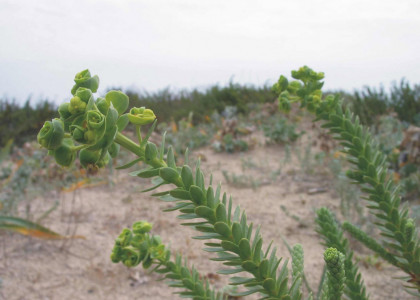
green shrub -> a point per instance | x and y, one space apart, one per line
22 123
405 101
185 135
368 104
278 131
169 105
28 175
230 144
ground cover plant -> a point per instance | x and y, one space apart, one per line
92 130
27 174
278 130
184 134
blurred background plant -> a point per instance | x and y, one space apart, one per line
278 130
27 173
167 104
371 103
349 194
184 134
23 122
233 133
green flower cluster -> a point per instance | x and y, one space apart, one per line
90 126
137 246
309 93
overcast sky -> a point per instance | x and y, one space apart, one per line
195 43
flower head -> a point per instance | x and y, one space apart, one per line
141 116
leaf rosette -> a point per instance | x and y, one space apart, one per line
95 120
84 79
51 134
103 137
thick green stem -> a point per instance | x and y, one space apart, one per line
77 148
139 133
129 144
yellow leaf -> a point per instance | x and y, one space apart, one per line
29 228
85 183
76 185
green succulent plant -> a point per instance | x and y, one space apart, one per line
94 130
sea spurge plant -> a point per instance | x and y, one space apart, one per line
335 274
138 246
95 132
400 237
333 237
86 125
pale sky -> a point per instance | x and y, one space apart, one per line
196 43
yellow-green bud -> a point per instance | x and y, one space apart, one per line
158 252
294 86
51 134
320 75
89 136
141 227
316 99
76 105
141 116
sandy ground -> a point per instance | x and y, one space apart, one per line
81 269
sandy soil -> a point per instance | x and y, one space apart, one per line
81 269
